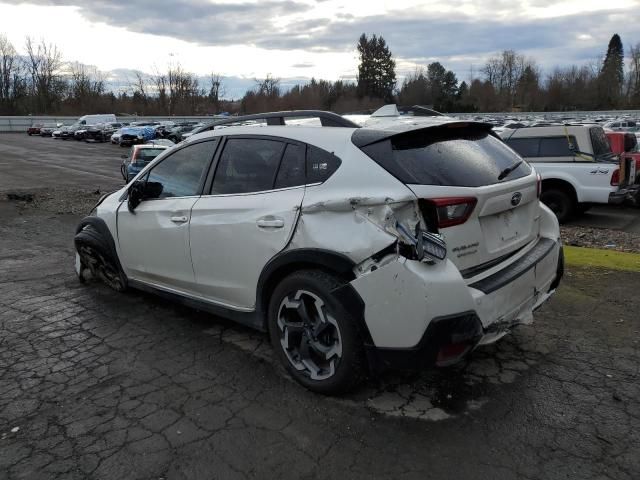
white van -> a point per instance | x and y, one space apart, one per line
97 118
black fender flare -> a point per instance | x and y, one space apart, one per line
100 235
288 261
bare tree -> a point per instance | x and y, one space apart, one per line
44 64
633 77
85 82
268 86
11 80
216 90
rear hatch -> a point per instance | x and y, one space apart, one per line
461 173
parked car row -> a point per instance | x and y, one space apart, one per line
120 133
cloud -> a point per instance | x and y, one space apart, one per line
415 35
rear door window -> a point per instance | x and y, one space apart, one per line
464 157
247 165
292 167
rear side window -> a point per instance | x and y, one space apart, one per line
526 147
556 146
532 147
320 164
247 165
447 156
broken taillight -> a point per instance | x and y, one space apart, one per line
615 177
452 211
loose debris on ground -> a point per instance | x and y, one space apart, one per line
600 238
59 201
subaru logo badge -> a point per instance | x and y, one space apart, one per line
515 198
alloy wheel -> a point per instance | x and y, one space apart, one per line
309 335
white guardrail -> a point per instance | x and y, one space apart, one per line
20 124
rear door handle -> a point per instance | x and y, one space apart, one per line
178 219
270 222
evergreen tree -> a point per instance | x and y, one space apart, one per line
612 74
376 71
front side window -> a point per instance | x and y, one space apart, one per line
181 174
247 165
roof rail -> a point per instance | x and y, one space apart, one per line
327 119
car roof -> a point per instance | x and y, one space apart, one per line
150 145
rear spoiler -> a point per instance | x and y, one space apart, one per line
367 136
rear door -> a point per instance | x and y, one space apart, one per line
247 217
154 238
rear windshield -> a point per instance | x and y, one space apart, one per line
148 154
454 157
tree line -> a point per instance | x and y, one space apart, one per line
42 82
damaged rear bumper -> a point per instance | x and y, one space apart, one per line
410 306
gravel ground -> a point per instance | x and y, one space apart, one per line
601 238
60 201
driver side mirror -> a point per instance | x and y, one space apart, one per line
141 190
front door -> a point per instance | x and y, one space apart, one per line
154 238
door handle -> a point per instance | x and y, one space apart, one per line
270 222
179 219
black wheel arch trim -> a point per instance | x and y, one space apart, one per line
304 258
106 239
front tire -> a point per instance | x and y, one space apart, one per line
313 334
560 203
94 255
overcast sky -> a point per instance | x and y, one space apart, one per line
305 38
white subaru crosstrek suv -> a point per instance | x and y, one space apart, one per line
356 249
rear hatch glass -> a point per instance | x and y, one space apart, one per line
461 157
145 155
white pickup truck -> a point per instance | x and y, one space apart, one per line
575 163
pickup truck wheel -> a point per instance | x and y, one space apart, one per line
314 335
560 203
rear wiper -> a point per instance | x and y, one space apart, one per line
504 173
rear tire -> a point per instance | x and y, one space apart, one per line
560 203
313 334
